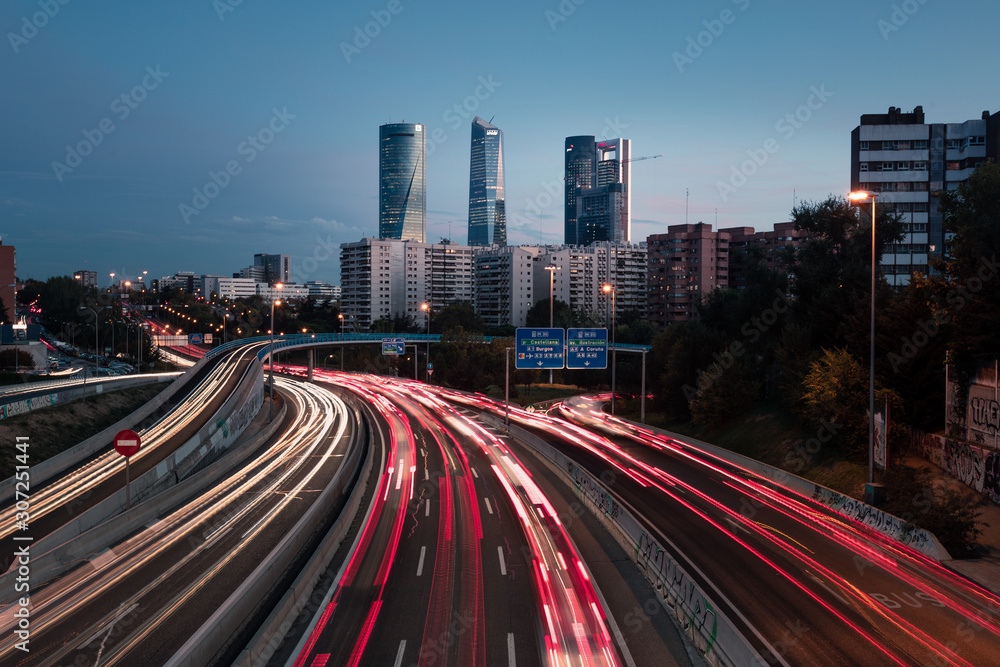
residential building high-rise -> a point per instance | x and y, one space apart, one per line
402 200
386 278
503 277
908 163
598 190
584 270
487 212
87 278
771 244
686 263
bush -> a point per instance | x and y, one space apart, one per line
952 515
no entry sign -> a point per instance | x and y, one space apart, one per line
127 442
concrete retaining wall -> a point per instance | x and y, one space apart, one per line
51 467
70 554
218 434
696 614
30 401
232 614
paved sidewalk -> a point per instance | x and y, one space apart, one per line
984 569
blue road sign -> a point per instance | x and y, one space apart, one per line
540 348
194 339
587 348
393 346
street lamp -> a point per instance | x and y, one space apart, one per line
860 196
270 354
340 316
111 287
551 268
614 353
426 307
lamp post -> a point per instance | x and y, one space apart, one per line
860 196
551 268
341 317
270 354
97 337
614 353
426 307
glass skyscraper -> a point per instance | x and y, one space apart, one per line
598 190
487 213
402 198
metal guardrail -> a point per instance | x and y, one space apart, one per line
305 340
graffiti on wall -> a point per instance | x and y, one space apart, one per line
679 591
872 517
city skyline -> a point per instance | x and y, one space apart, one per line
257 133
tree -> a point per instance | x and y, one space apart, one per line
682 356
538 315
459 314
970 287
836 390
831 273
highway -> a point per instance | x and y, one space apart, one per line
141 600
462 560
57 501
808 585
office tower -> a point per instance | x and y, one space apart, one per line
598 190
487 215
277 268
402 199
908 163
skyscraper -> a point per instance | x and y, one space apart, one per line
581 172
487 214
598 190
402 197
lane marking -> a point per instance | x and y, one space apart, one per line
427 474
489 507
511 660
420 563
427 507
399 654
503 566
474 473
399 477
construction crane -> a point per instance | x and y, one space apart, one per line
621 210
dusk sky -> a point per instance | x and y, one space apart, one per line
202 77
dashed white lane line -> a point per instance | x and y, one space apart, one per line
489 507
420 563
511 660
399 654
503 565
427 507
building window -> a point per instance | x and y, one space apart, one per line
863 166
919 166
863 146
920 145
954 166
954 144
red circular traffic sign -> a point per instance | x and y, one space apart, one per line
127 442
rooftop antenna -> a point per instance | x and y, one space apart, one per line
687 196
794 203
491 118
716 218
